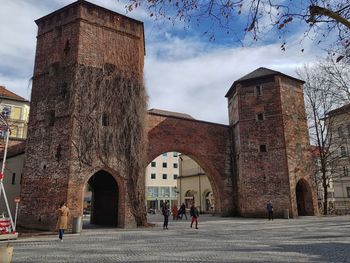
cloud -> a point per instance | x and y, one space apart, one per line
183 71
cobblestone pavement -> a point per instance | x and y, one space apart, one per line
308 239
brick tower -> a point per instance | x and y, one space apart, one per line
88 102
271 144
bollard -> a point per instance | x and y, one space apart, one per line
286 213
77 224
6 253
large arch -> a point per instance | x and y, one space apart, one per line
206 143
304 198
108 198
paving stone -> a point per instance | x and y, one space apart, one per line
218 239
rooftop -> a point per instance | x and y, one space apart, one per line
170 113
259 73
340 110
6 94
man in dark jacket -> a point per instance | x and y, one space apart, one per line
165 212
269 208
195 214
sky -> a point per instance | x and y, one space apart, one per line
184 71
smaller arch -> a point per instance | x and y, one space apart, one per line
109 186
304 198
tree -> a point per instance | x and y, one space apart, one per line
324 91
258 17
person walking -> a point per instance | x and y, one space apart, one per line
62 221
195 214
269 208
175 212
165 212
183 211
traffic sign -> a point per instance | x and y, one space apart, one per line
17 200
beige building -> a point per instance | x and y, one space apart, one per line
339 119
16 109
161 183
13 177
194 186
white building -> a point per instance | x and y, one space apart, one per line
161 183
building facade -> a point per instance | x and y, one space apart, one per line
16 109
194 186
161 181
339 121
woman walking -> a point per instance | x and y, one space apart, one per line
62 222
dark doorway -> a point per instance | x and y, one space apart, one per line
104 199
304 199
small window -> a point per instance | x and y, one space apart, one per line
153 164
263 148
346 171
260 117
153 176
165 154
342 151
348 191
14 178
105 119
20 181
175 154
258 90
175 176
165 165
175 165
51 117
348 128
340 132
165 176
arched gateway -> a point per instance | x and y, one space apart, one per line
206 143
88 119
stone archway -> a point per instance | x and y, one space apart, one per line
304 199
208 144
104 199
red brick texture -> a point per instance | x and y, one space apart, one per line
206 143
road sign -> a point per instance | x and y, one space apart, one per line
17 200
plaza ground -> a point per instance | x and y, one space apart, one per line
218 239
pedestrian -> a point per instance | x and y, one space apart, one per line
195 214
62 222
175 212
269 208
183 211
165 212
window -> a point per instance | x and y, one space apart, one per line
348 191
340 131
175 154
152 191
175 176
165 154
153 176
165 176
342 151
14 178
51 117
260 117
175 165
105 119
346 171
6 112
164 191
174 192
258 90
263 148
153 164
164 165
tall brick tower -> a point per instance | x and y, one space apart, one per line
271 144
86 124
